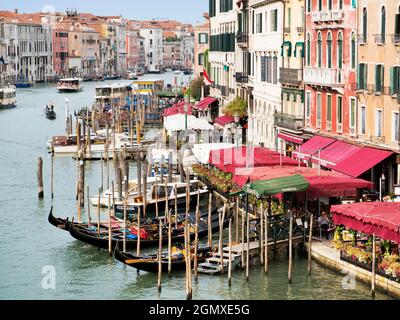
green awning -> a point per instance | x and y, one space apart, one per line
271 187
289 45
301 45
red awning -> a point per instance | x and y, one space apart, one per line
178 108
291 138
359 162
205 103
228 160
323 183
224 120
381 218
311 147
335 153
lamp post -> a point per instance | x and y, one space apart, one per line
382 178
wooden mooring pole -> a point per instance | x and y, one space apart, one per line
248 242
138 233
265 242
230 254
373 265
196 241
109 226
159 256
88 204
221 231
209 242
40 178
52 175
290 250
262 234
98 212
169 242
310 244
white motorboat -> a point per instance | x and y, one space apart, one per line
69 85
8 97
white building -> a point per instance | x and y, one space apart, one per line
153 46
187 49
222 49
265 40
8 50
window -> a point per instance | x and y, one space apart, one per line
395 126
319 5
289 19
201 59
263 68
308 5
397 24
274 20
319 107
212 7
379 74
203 38
308 104
363 120
339 110
329 108
341 4
151 42
259 23
383 24
395 80
352 112
353 51
362 76
319 50
308 49
329 4
253 20
329 50
365 23
378 123
340 50
275 71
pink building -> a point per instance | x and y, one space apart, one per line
330 67
60 51
135 57
201 45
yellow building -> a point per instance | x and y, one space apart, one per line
379 77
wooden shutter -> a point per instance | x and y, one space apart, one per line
397 24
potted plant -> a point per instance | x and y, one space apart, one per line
236 108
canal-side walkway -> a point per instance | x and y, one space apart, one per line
324 254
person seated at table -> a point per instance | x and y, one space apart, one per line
323 222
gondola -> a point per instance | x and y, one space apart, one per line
149 262
50 113
60 223
91 237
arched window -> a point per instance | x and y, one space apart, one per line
383 24
340 51
353 51
329 50
308 49
365 24
319 50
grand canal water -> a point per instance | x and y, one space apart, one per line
28 243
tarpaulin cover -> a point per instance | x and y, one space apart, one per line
269 187
361 161
311 147
381 218
322 183
291 138
178 108
177 123
224 120
229 159
335 153
205 103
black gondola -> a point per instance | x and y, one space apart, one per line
60 223
149 262
49 112
91 237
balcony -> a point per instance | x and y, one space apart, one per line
292 76
289 121
316 16
337 15
326 16
396 39
224 91
380 38
241 78
324 77
242 39
362 38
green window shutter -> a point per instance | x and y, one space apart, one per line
382 77
392 81
376 78
397 24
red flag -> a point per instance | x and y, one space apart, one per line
207 80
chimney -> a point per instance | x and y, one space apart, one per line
16 11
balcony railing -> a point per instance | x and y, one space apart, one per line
380 38
241 78
324 77
316 16
286 29
289 121
362 38
326 16
396 39
337 15
300 29
292 76
242 39
224 91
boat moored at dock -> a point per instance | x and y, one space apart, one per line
8 97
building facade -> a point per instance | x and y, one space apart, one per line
135 58
223 16
289 120
60 51
153 46
201 47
